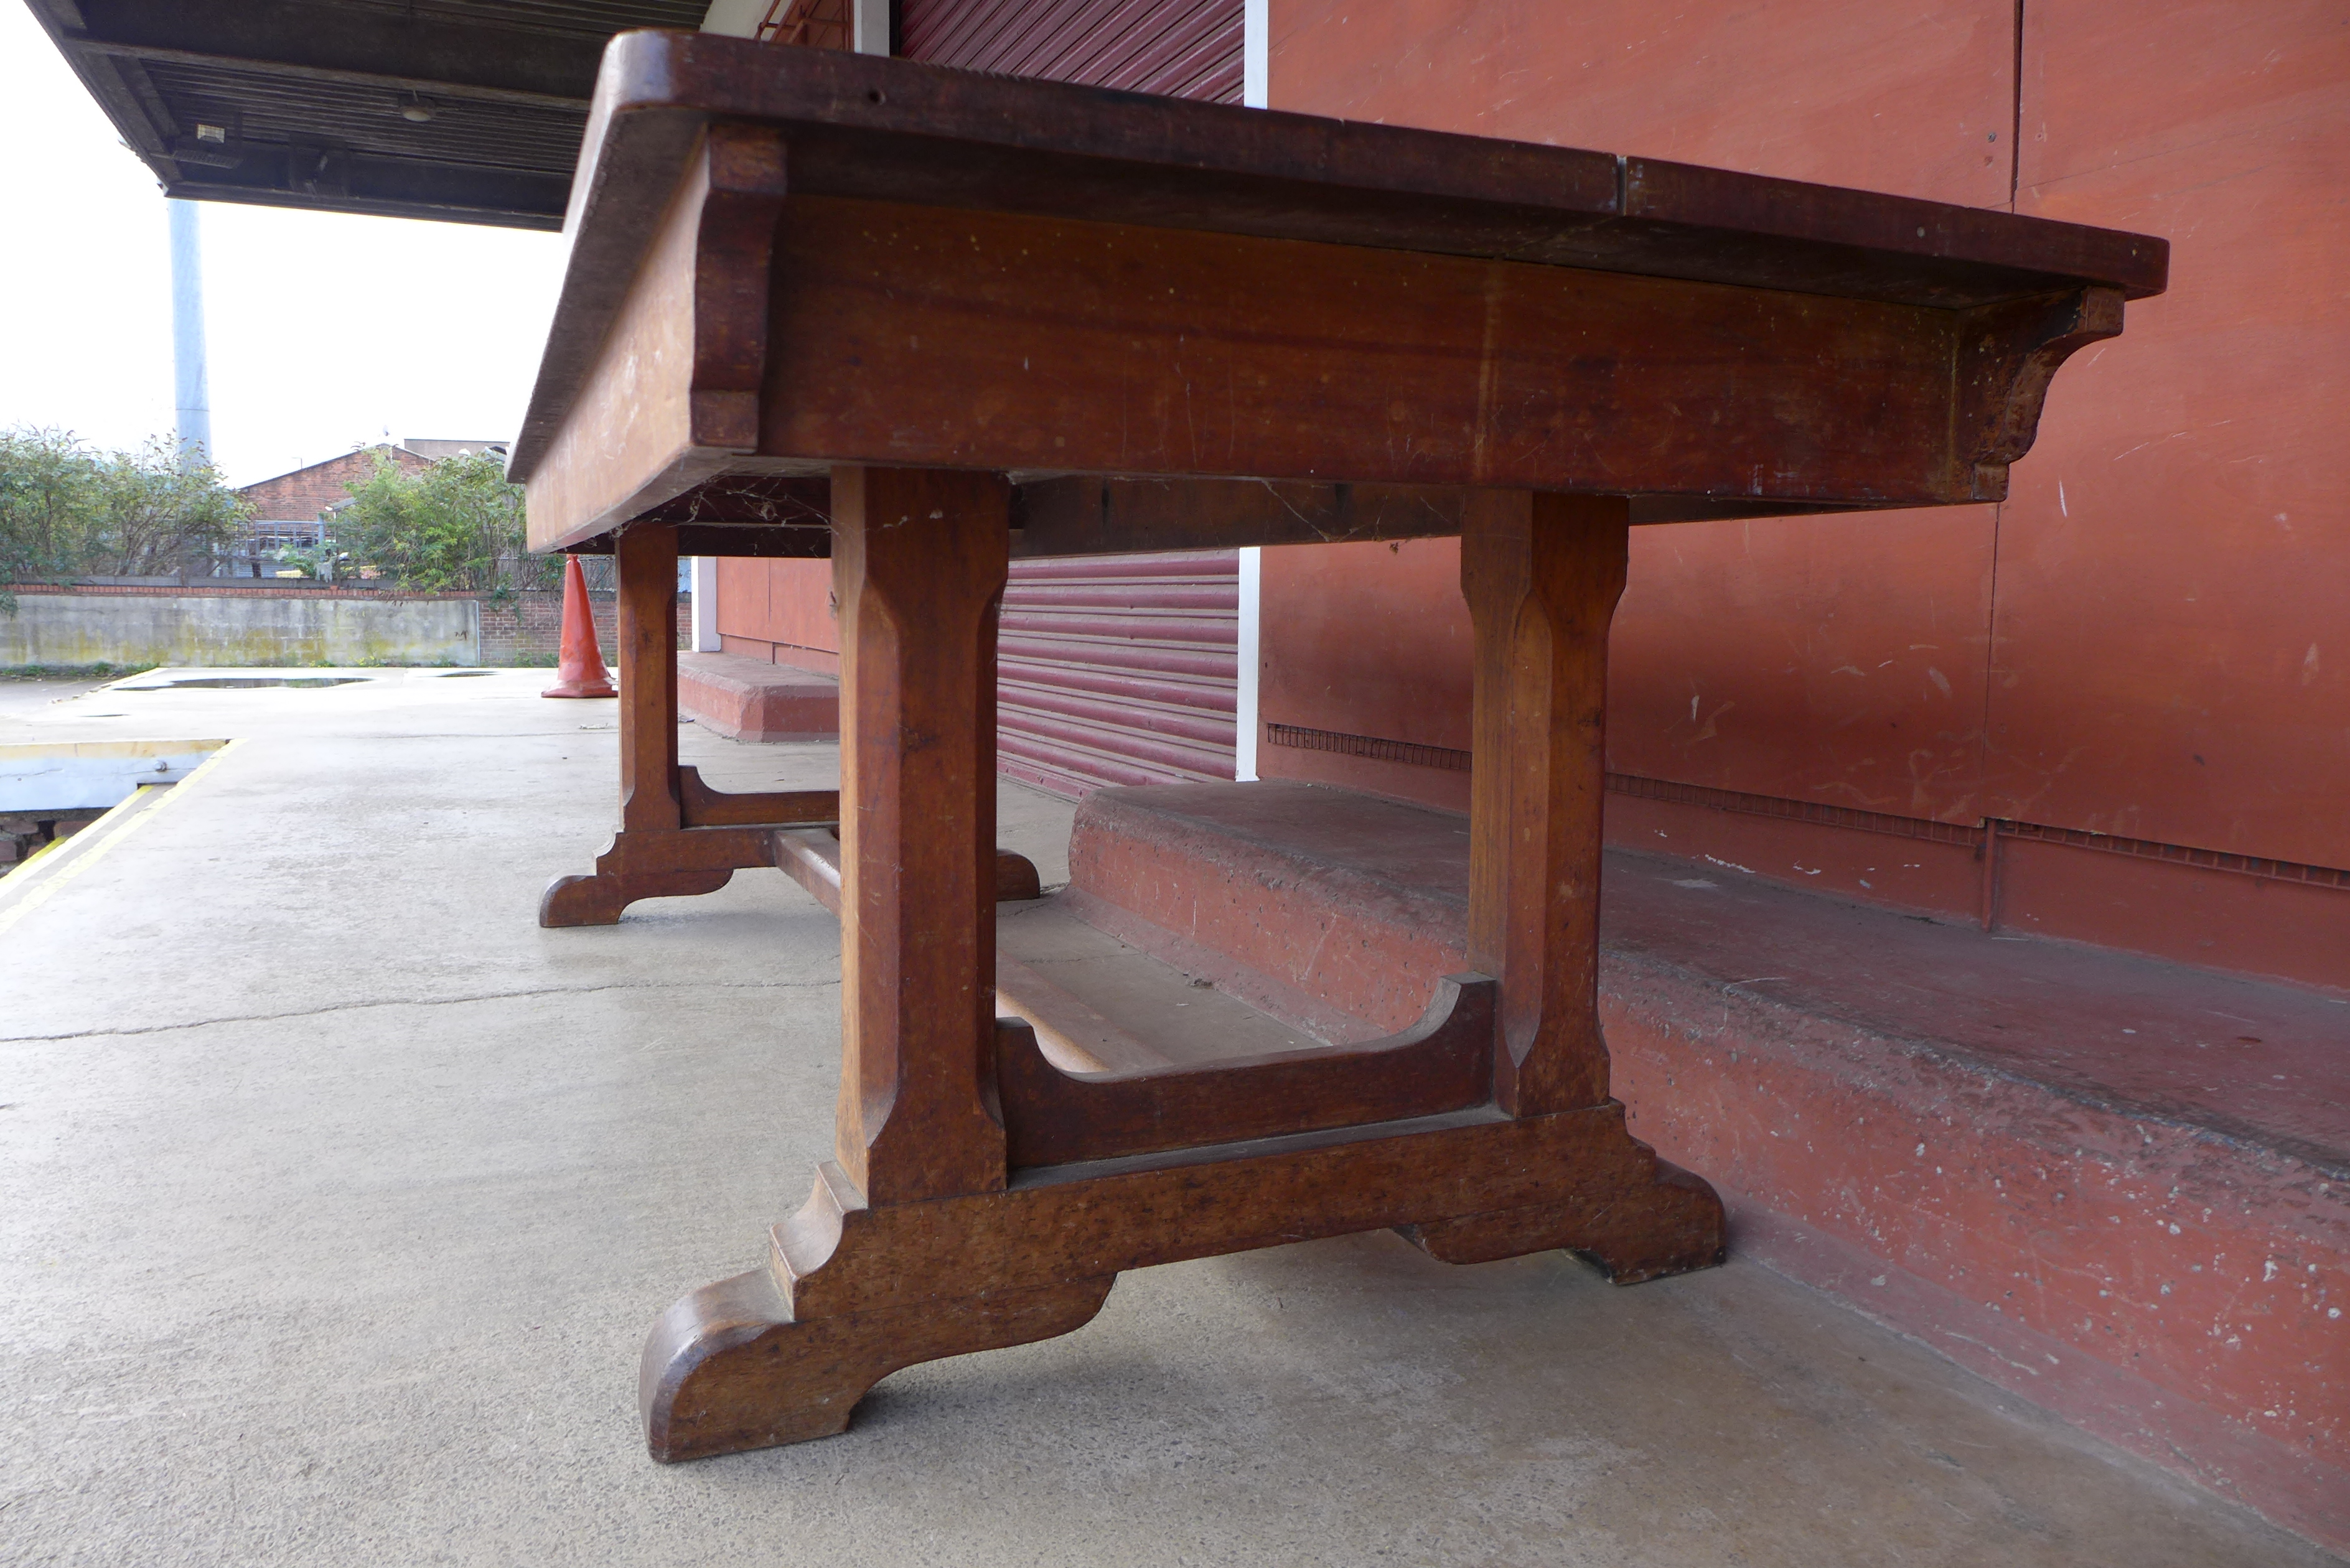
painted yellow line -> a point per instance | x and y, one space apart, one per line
51 847
84 861
58 854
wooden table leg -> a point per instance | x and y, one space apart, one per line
1542 574
920 559
678 836
920 1244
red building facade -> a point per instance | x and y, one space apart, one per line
2109 709
2115 708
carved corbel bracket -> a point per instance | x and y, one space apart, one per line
2008 354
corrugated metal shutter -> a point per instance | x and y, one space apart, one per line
1113 668
1183 48
1118 670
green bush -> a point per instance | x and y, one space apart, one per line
456 526
68 510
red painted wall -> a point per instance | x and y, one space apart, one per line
2139 642
780 611
2173 628
1407 680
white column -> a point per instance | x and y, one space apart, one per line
1256 58
870 26
191 398
1246 726
705 603
1256 52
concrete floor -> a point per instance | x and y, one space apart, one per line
27 698
340 1198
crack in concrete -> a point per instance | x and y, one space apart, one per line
422 1002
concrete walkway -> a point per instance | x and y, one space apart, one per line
340 1197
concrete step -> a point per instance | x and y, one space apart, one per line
750 699
2118 1187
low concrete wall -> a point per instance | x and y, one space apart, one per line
240 630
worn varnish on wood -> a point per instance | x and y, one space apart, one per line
925 321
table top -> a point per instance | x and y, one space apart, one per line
895 131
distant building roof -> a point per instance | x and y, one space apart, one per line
314 489
436 448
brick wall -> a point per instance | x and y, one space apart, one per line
301 495
529 627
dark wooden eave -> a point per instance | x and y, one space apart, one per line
313 94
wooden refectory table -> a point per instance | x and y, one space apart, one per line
922 320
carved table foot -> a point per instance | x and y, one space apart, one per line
1670 1226
728 1369
654 864
598 898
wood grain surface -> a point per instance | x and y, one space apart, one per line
671 397
813 860
1542 575
1080 281
919 566
927 335
897 130
783 1353
1054 1115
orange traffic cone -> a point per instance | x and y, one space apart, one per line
581 672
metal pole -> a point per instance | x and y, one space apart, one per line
191 402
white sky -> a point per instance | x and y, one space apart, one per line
326 331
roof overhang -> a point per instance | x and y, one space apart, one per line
460 110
